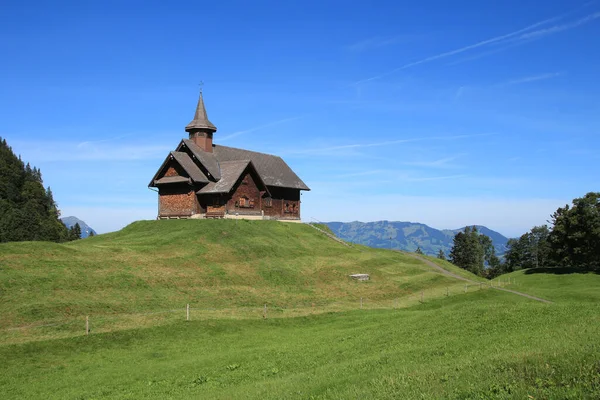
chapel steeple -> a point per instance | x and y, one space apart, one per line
201 129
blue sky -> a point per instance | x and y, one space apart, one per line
446 113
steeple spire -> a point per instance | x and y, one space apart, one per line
201 129
200 121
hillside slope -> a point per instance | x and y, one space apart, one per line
223 265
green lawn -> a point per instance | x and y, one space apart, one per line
556 284
483 345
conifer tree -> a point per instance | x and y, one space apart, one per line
76 232
27 209
472 250
441 255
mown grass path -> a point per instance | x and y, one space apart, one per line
448 273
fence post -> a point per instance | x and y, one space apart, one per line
265 312
87 325
421 296
187 312
447 294
361 303
466 286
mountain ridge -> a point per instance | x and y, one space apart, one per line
408 236
85 228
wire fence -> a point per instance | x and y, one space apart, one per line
103 322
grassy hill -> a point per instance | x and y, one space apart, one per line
484 344
218 267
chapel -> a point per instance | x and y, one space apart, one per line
201 179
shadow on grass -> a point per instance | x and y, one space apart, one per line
563 270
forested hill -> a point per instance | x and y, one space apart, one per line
27 209
407 236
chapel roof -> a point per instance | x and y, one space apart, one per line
230 173
272 169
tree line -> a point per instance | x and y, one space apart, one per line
27 209
572 240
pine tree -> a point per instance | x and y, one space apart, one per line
92 234
27 209
75 232
441 255
419 251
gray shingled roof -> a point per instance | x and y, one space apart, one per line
230 173
171 179
189 166
272 169
209 160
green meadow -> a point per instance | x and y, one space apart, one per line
316 342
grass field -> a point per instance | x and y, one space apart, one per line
485 344
218 267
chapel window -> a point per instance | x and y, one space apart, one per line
245 202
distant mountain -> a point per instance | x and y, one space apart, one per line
407 236
85 229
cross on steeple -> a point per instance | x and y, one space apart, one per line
201 84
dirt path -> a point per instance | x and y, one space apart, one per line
448 273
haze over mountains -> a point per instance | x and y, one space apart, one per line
407 236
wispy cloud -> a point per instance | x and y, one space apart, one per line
110 139
90 151
239 133
361 173
522 35
459 92
440 163
529 79
379 42
558 28
434 178
333 149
